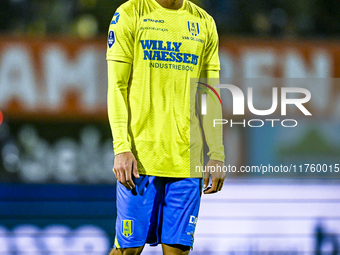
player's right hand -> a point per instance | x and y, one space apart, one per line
216 176
125 165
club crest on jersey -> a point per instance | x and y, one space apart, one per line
127 227
194 28
111 40
115 18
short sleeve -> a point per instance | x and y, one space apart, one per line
211 59
121 37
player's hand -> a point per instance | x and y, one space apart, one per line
124 166
215 169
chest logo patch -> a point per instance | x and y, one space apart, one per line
194 28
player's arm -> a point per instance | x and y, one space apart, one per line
213 135
125 163
119 58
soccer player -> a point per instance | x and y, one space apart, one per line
154 49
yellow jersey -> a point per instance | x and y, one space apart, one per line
166 48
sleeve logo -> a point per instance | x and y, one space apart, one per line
112 39
115 18
127 227
194 28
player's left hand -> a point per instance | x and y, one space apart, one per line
215 170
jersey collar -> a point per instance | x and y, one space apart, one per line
169 10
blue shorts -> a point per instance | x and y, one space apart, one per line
157 210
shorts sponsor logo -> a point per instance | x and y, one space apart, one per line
193 220
115 18
112 39
127 227
194 28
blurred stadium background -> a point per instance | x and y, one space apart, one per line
57 189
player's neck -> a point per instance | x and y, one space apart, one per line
171 4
